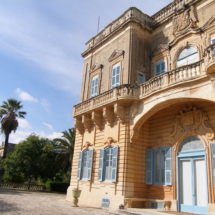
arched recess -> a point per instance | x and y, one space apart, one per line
148 112
182 47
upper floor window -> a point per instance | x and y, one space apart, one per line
115 78
158 166
213 40
85 165
187 56
108 164
94 87
141 78
160 68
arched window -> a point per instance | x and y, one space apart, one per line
187 56
191 143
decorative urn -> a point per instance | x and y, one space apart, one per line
76 194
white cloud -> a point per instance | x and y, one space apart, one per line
22 135
25 96
23 123
48 125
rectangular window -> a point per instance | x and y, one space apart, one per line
141 78
158 166
212 42
160 68
115 78
94 87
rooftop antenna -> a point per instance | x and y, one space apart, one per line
98 25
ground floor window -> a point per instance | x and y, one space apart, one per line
158 166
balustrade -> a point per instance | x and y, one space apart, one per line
21 186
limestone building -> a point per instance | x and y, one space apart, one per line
146 118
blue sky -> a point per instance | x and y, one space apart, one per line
41 42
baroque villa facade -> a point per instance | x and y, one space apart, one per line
146 118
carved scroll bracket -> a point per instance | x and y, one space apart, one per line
119 111
79 126
97 119
134 134
191 121
86 145
86 122
108 115
109 142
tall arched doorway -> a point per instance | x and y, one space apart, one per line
192 177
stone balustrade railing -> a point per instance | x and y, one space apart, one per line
209 53
21 186
169 10
180 74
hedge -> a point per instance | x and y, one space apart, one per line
57 186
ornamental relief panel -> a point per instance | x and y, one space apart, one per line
184 21
191 121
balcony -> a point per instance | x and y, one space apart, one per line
209 55
127 92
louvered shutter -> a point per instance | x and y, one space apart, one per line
113 81
158 69
162 66
141 78
89 164
96 87
168 166
213 160
92 88
118 76
79 166
101 165
114 164
149 166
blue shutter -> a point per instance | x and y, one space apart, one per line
168 166
79 166
101 165
89 164
96 87
117 75
113 78
114 164
213 160
163 67
92 88
149 166
158 69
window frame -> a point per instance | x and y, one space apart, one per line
213 38
92 87
143 75
186 58
111 81
160 65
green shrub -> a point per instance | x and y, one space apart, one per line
16 178
57 186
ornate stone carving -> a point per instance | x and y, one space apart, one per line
86 145
116 54
191 121
134 109
79 126
97 119
184 21
108 115
109 142
86 122
134 134
119 111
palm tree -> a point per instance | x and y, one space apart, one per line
9 112
65 148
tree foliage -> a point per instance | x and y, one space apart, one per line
65 149
9 112
34 157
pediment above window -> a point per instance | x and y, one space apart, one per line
161 48
95 67
116 54
209 23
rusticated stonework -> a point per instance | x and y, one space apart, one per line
79 126
191 121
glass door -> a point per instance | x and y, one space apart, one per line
192 185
